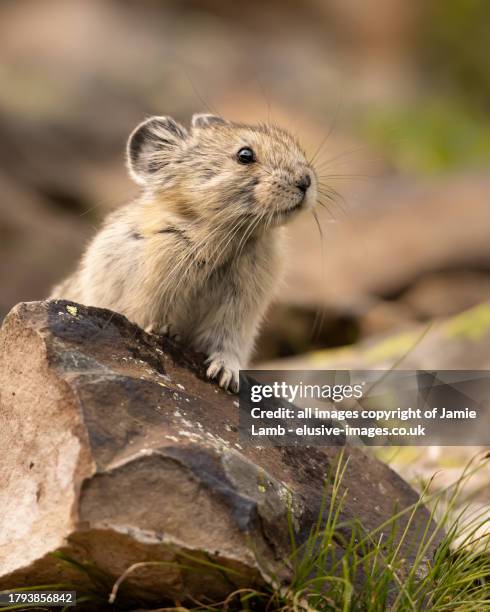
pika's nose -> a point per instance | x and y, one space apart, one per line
303 183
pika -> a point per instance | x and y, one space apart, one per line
198 254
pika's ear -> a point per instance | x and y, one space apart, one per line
204 120
151 146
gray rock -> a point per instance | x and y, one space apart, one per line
115 450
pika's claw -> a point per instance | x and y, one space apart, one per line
159 330
221 370
169 331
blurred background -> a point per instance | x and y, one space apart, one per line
393 98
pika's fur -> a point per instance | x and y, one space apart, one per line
198 254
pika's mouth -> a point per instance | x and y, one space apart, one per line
288 211
296 206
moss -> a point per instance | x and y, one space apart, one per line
472 324
390 348
73 310
340 354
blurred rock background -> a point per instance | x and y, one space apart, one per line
391 97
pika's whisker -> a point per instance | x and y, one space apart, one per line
320 313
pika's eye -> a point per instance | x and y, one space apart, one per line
245 155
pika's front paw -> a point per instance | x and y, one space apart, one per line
225 371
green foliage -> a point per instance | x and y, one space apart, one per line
351 570
448 128
455 46
432 137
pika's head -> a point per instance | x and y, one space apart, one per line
223 168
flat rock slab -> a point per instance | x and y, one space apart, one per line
115 450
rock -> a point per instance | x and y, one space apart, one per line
461 342
446 293
115 450
397 232
292 330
